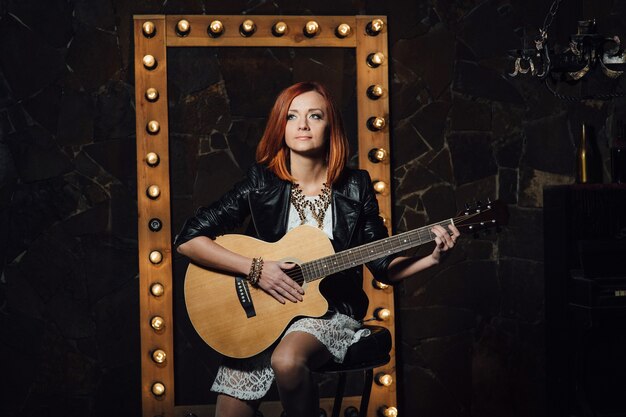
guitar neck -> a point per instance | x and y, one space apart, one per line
360 255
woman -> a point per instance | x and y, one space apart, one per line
300 178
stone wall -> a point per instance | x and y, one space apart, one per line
470 332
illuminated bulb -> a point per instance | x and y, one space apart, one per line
153 127
380 187
375 60
152 159
311 28
374 27
148 29
385 411
377 155
247 28
149 62
152 94
343 30
382 314
279 29
215 29
383 379
183 27
157 323
158 389
156 257
375 91
157 289
153 192
159 356
379 285
376 123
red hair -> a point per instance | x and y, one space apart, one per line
272 149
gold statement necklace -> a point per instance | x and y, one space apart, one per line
317 206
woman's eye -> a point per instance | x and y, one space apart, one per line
316 116
291 116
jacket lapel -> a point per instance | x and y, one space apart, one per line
269 208
346 212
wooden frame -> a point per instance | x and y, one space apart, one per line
153 34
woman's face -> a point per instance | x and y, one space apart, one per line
306 131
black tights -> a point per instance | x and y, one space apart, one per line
292 361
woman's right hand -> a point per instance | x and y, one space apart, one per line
278 284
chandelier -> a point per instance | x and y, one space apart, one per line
587 51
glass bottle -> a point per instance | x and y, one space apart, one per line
588 163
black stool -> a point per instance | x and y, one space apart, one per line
368 353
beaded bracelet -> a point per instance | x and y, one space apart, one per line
256 268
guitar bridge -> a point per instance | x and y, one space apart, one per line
243 294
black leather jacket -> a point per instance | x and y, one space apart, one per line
265 198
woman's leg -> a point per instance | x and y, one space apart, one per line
293 359
233 407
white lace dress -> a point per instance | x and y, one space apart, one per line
251 378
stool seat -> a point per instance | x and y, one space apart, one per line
369 352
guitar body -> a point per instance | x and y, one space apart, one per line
214 305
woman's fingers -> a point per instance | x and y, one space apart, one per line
281 294
455 232
278 284
281 291
287 293
442 238
445 239
292 284
291 292
277 296
438 242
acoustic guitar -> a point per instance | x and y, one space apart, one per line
239 320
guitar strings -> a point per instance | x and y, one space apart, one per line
296 274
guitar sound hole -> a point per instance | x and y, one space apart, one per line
295 273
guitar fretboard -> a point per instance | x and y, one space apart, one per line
360 255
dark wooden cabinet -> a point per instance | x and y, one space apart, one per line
585 277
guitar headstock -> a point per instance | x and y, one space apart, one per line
480 216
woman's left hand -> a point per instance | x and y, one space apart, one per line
444 240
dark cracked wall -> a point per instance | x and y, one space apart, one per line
470 333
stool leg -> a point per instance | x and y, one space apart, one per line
341 387
367 389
